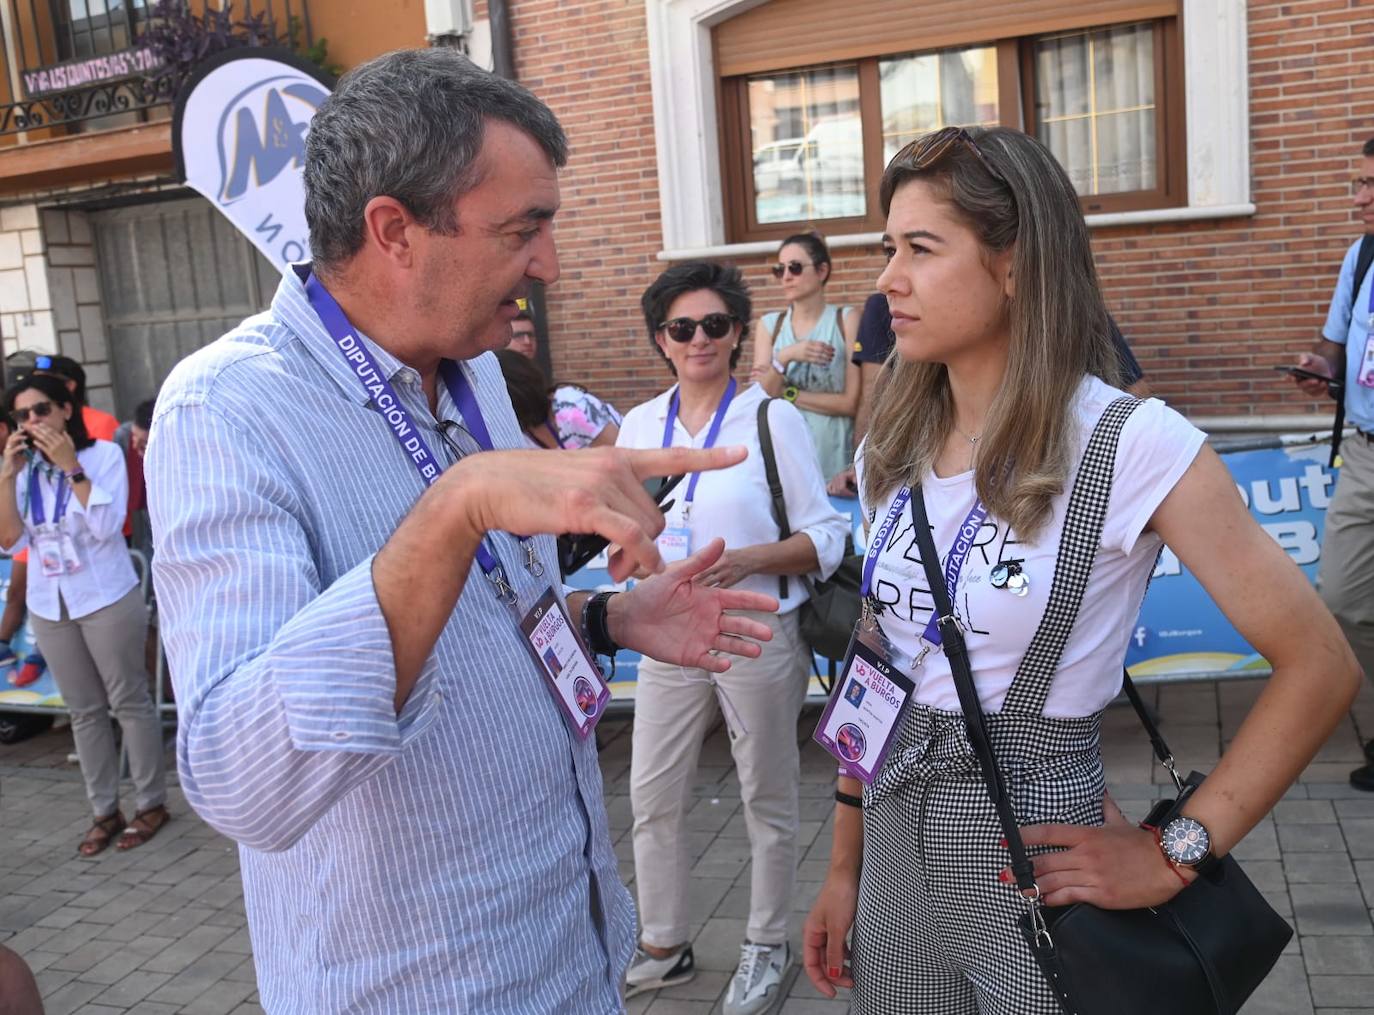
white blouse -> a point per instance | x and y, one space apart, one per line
1157 445
96 530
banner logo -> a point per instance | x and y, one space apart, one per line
240 134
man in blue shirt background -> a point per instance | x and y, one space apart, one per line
1346 349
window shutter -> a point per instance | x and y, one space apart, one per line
782 34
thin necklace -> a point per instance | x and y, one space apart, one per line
970 437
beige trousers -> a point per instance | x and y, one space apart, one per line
1345 577
673 708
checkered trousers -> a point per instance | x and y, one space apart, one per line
935 932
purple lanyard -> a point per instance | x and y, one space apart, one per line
37 513
954 562
711 434
402 424
554 434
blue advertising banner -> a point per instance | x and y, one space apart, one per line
1181 634
25 681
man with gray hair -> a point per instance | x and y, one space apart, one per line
399 741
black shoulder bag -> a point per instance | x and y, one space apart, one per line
829 615
1336 388
1201 953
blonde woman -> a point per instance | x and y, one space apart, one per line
1005 370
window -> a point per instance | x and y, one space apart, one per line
807 146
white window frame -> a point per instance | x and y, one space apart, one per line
686 128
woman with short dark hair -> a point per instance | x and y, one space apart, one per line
697 315
64 495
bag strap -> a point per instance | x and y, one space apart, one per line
770 470
1079 539
956 651
777 323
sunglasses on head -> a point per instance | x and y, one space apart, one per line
928 150
39 410
792 268
684 329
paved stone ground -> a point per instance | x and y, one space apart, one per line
161 929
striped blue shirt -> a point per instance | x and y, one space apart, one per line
454 858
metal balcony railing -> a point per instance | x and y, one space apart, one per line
67 63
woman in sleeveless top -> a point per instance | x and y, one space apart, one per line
802 353
1004 415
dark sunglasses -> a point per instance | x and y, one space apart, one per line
928 150
684 329
793 268
39 410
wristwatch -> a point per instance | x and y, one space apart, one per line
790 393
1187 843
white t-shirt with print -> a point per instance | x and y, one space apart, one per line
1157 445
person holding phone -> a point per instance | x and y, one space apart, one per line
64 495
697 315
802 353
1345 577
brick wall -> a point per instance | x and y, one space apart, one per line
1208 306
49 292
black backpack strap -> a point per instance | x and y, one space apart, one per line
770 470
1363 260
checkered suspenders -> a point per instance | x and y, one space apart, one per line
1078 544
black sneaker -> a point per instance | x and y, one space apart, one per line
648 973
1363 778
1368 750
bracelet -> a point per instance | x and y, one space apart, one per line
1159 841
849 799
777 365
594 628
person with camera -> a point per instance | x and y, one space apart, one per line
64 495
697 315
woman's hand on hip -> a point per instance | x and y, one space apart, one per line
56 445
1116 866
824 951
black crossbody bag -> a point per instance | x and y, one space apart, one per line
1201 953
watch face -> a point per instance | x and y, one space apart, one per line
1185 841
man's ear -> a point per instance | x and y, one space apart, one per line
389 228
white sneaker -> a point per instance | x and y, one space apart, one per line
757 983
648 973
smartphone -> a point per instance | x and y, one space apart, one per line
574 552
1306 375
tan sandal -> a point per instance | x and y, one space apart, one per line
98 836
144 826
